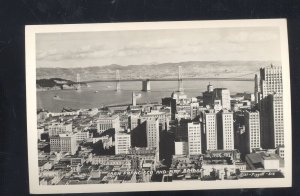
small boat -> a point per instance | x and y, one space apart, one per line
96 91
56 97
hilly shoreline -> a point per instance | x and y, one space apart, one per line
163 70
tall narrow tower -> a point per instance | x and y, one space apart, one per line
118 86
180 84
256 89
133 99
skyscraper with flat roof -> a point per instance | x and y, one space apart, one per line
194 138
208 96
225 130
271 107
122 142
152 131
210 127
252 130
270 80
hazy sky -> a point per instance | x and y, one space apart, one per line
157 46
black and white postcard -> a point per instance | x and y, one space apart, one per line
158 106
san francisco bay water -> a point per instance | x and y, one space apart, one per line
101 94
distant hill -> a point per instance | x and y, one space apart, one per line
54 83
164 70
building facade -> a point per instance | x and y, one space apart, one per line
222 94
181 148
208 96
271 107
59 128
252 130
108 122
152 131
63 143
194 138
225 130
122 143
210 126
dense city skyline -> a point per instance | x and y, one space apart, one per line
216 136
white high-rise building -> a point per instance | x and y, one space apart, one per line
122 143
270 80
252 130
222 94
271 107
181 148
194 109
210 126
194 138
225 130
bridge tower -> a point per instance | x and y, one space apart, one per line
78 86
118 85
180 84
146 85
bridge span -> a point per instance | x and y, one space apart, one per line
180 79
147 87
169 79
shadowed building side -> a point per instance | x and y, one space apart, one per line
146 85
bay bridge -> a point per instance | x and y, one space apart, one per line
146 86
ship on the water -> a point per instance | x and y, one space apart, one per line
56 97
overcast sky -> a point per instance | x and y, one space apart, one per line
157 46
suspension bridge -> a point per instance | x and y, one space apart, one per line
146 83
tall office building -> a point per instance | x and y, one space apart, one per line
135 96
152 131
170 102
271 107
194 138
272 121
256 89
156 114
252 131
222 94
108 122
194 109
63 143
208 96
122 143
133 121
270 80
210 128
225 130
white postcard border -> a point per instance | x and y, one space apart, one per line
32 30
